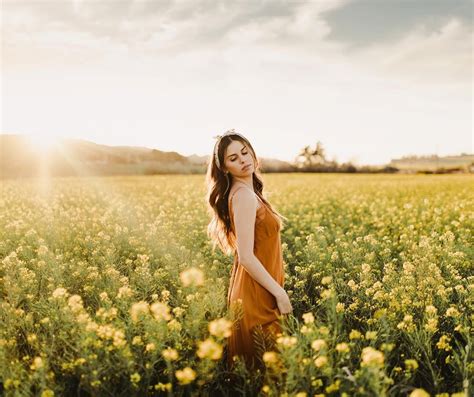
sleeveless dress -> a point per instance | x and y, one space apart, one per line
256 330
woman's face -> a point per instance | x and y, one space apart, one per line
236 157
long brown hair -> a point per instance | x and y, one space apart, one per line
218 184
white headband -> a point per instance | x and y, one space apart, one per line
216 147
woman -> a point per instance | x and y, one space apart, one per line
245 224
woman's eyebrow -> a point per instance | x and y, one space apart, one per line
243 147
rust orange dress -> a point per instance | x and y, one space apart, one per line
260 317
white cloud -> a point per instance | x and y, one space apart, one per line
424 56
152 76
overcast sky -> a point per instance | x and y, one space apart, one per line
372 80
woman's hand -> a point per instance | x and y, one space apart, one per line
283 303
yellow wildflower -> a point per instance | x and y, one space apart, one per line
320 361
286 341
135 377
174 325
163 386
308 318
60 292
222 328
431 310
372 357
170 354
137 340
352 285
419 393
326 294
411 364
75 303
354 334
270 357
342 347
192 276
326 280
160 311
150 347
443 343
178 311
209 349
37 363
333 387
124 292
452 312
370 335
138 309
431 325
185 375
305 330
318 344
324 330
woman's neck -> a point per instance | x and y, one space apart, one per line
247 180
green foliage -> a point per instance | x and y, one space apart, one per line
108 286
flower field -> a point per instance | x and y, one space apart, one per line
109 287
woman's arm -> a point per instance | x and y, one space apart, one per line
245 212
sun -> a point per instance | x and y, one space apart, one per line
43 143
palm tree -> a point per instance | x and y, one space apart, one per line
318 155
308 157
303 160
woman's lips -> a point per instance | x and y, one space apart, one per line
245 167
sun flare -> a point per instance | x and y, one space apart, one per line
43 143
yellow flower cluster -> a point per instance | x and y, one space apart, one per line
318 344
170 354
159 310
185 375
372 357
419 393
443 343
209 349
270 357
411 364
308 318
192 277
60 293
320 361
372 264
342 347
138 309
221 328
287 341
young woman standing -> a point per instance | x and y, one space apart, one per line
245 224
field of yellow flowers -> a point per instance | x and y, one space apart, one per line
109 287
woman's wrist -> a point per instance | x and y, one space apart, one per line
279 292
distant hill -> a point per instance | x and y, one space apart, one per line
434 163
19 158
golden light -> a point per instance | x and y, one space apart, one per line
43 143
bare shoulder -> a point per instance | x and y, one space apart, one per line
245 199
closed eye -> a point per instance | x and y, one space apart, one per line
236 157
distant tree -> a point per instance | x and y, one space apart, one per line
309 157
303 160
319 156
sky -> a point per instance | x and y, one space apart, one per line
371 80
